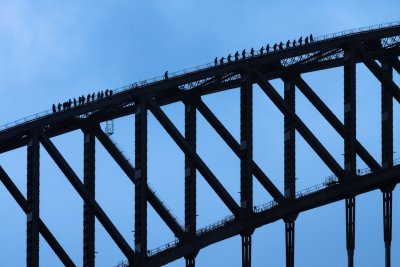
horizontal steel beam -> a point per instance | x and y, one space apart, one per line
357 185
44 231
81 190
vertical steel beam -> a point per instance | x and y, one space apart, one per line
387 157
190 178
289 167
246 160
89 184
350 145
289 239
32 227
141 180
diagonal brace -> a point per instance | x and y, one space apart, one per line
47 235
234 145
79 187
334 121
129 170
321 151
197 161
379 73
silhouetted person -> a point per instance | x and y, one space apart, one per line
306 40
216 61
229 58
252 52
106 92
74 102
59 107
111 92
93 95
80 100
244 53
69 103
287 44
98 96
280 46
267 48
237 56
64 105
166 75
358 171
102 95
294 42
54 108
275 46
262 50
83 99
88 98
311 38
221 61
301 40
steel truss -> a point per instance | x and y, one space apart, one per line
377 49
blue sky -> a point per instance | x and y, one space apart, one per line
54 51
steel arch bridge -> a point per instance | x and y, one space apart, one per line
377 47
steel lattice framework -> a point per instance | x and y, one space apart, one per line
377 47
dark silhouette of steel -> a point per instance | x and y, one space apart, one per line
190 179
369 46
289 168
89 183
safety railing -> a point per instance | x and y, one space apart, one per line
329 181
195 69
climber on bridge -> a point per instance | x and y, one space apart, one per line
83 99
306 40
216 61
236 56
74 102
111 92
294 43
166 75
287 44
59 107
106 93
54 108
280 46
88 98
244 53
301 40
221 61
262 50
267 48
252 52
275 46
229 58
98 95
311 38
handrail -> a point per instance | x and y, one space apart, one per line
198 68
329 181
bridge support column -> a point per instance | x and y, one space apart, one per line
141 180
190 178
350 145
88 214
32 226
387 157
289 168
246 160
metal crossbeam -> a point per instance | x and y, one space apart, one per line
23 204
361 185
235 146
80 189
129 170
270 91
200 165
334 121
378 72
